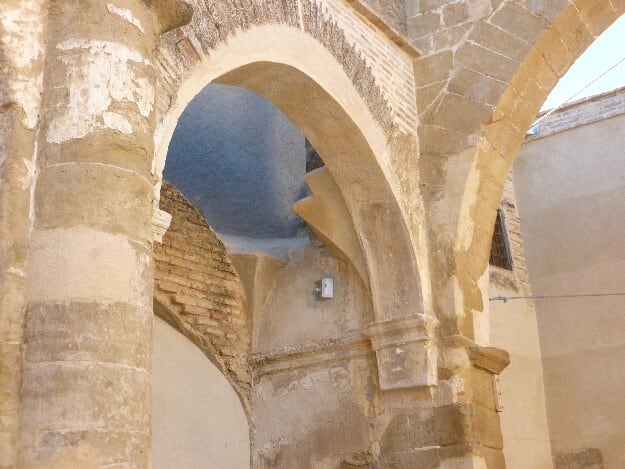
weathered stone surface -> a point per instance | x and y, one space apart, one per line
419 148
102 205
589 458
439 426
88 332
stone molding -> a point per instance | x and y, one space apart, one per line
405 352
384 27
326 213
311 354
491 359
160 224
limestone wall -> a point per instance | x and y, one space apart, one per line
570 189
77 264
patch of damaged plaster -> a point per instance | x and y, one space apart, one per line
116 121
21 42
28 177
95 81
466 224
126 15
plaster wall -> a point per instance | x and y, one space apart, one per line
570 189
317 416
315 381
513 327
239 160
523 418
293 314
197 418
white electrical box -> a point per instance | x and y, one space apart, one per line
325 287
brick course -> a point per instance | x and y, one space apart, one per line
196 283
581 112
375 56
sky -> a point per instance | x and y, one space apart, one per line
607 50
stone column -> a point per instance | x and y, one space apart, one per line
86 380
21 71
405 351
460 426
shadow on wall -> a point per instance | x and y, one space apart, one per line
238 159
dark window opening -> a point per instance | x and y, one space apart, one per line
313 160
500 255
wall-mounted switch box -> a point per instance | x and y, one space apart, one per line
325 287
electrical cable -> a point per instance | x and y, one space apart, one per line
551 111
505 299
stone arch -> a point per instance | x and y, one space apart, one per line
555 49
350 125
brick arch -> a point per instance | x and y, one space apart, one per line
340 110
198 291
555 49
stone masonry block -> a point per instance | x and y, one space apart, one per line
597 14
85 396
520 22
461 114
455 13
478 58
574 31
88 332
423 25
83 194
555 51
477 86
433 68
440 426
498 40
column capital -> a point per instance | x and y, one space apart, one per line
405 351
160 224
491 359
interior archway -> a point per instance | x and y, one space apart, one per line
302 79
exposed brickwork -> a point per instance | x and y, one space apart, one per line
582 112
198 285
392 69
380 69
513 229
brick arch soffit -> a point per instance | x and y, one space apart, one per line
173 302
560 44
296 67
